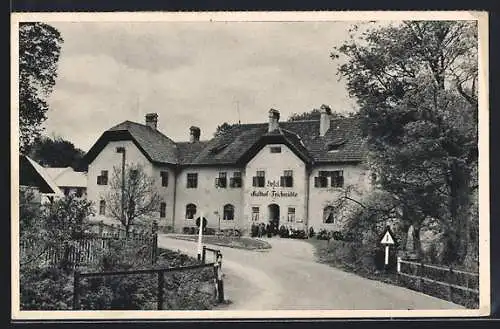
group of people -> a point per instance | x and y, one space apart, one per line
261 230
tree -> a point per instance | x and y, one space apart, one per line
222 129
415 84
314 114
39 50
138 197
51 227
56 152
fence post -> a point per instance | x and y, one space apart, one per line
204 254
219 283
421 277
450 289
76 290
219 259
155 248
161 279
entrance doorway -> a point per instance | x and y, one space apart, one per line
274 217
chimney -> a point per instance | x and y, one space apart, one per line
194 134
324 120
152 120
274 116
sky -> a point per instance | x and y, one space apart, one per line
191 73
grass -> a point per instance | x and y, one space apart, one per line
231 242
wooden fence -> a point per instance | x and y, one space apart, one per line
160 272
455 285
86 250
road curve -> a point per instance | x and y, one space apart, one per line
287 277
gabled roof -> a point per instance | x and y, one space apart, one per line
33 174
152 143
67 177
240 141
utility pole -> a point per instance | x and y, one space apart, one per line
121 150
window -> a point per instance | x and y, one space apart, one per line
163 209
259 179
79 192
291 215
287 179
192 180
66 191
190 211
255 214
103 178
228 212
337 178
221 182
164 178
235 181
102 207
275 149
328 215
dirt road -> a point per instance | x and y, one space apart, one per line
287 277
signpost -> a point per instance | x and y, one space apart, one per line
387 241
201 222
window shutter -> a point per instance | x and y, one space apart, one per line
254 181
282 181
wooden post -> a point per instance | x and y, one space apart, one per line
76 290
161 279
421 275
219 259
220 285
450 288
216 286
204 254
155 248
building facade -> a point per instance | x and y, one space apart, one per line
283 173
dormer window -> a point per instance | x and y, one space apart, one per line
335 146
218 148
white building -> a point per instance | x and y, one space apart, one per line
69 181
286 172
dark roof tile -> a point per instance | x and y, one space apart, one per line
344 137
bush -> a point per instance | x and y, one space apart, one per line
323 235
209 231
187 290
337 236
185 230
45 288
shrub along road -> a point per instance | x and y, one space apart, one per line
287 277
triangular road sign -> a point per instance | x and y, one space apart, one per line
387 239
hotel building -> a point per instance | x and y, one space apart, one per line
285 172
